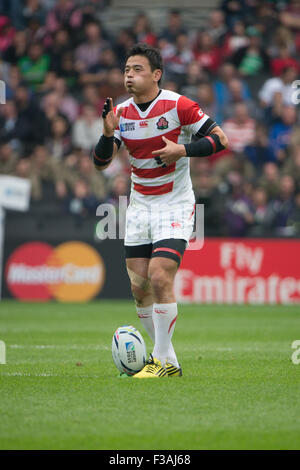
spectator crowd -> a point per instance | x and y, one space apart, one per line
59 62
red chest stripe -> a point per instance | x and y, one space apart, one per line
153 172
143 148
154 190
161 107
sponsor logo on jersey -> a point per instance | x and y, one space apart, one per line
143 123
175 224
162 123
127 126
201 113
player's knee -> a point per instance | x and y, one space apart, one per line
160 280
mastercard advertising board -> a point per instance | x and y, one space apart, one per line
70 272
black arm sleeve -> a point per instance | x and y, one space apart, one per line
104 150
204 147
206 128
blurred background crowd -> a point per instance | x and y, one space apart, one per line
60 61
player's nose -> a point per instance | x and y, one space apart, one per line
129 74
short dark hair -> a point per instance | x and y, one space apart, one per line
153 55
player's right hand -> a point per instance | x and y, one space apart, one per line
110 119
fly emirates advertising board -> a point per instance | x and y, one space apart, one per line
235 271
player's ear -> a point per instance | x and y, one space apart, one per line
157 75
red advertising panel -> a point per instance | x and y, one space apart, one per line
253 271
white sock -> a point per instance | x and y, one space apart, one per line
164 319
171 357
145 315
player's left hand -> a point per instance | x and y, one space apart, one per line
170 153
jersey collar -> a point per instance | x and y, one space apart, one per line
145 113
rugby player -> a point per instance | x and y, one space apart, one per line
156 126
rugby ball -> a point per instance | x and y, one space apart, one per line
128 350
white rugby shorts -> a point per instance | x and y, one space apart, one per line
158 222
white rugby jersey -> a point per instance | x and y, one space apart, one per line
175 117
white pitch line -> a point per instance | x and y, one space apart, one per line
223 349
25 374
57 346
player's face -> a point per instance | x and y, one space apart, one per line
138 76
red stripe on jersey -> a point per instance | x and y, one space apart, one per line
188 111
130 112
154 190
161 107
143 148
170 250
213 143
153 172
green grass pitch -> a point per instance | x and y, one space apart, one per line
240 389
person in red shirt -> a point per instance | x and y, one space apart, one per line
284 60
207 53
143 30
